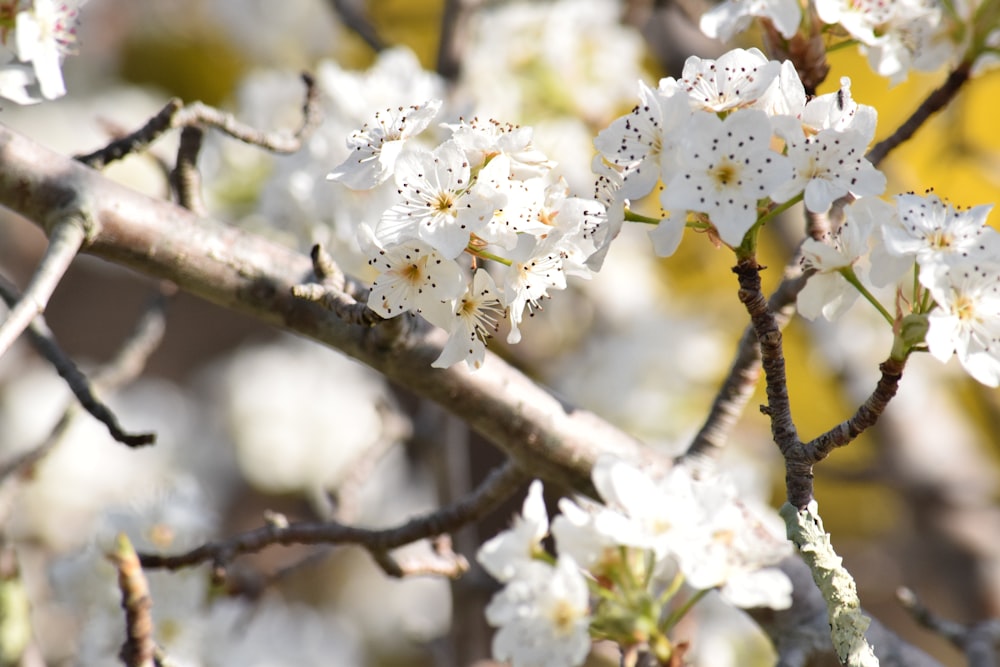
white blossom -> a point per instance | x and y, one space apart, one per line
966 321
726 19
436 205
42 35
469 323
412 276
729 166
543 616
510 552
827 292
827 166
636 143
932 230
376 147
737 79
839 111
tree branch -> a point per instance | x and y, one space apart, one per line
176 115
496 488
744 373
353 16
979 641
936 101
866 416
139 648
252 275
44 341
65 239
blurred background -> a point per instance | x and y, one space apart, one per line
250 419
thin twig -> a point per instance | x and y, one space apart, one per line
175 115
798 468
352 16
198 114
866 415
185 177
741 381
139 648
936 101
454 25
395 429
332 291
978 641
444 562
496 488
136 142
126 366
65 241
769 337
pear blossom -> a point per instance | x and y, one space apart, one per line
375 148
827 166
436 205
839 111
786 96
729 166
507 553
15 81
827 292
535 268
733 550
989 58
543 616
897 36
638 143
469 323
518 204
44 31
726 19
590 533
737 79
932 230
667 235
656 515
915 37
966 321
412 276
601 230
482 140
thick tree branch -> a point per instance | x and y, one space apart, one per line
249 274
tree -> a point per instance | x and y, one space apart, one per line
465 227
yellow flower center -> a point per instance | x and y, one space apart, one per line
727 172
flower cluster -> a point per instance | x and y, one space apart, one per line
731 138
479 227
896 36
34 37
621 565
955 304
